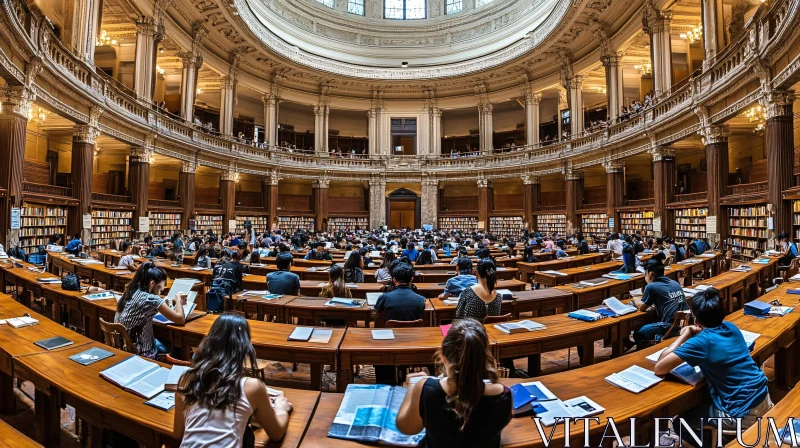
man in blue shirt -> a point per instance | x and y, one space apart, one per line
282 281
411 252
737 386
666 296
788 250
318 252
74 245
460 282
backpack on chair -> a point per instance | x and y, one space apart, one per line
215 297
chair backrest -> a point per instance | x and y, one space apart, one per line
404 323
681 319
175 361
794 268
495 319
117 336
669 260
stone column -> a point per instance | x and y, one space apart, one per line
574 193
321 114
614 90
716 140
81 27
663 189
83 144
147 38
780 155
576 105
530 201
226 100
227 191
269 194
321 192
532 101
713 29
377 203
15 103
138 184
430 201
615 190
186 192
487 130
485 193
372 132
657 25
270 119
191 65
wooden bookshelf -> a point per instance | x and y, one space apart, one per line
690 223
292 223
506 226
595 224
260 223
342 224
550 224
39 222
796 218
747 235
110 225
163 225
462 223
204 223
630 222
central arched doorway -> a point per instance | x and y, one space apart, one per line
403 208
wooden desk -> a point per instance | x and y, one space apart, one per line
313 309
428 290
269 339
443 312
788 407
106 406
577 274
410 346
528 269
13 438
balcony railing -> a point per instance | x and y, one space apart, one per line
639 202
552 208
51 190
690 197
164 203
111 198
209 206
756 187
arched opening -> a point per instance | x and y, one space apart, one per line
403 207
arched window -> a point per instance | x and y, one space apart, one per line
404 9
479 3
355 7
328 3
453 6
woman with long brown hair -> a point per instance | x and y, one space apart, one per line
459 409
336 286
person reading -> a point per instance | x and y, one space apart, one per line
737 386
459 409
481 299
220 392
663 294
283 281
336 286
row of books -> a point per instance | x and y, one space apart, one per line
505 225
629 222
163 225
594 223
551 224
468 223
296 222
337 224
209 222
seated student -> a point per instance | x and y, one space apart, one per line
459 409
140 302
230 270
561 251
318 252
465 279
382 274
354 268
629 260
74 246
665 295
527 254
788 250
218 395
411 252
615 245
203 259
462 252
127 260
336 286
481 299
425 257
583 247
364 252
255 258
737 386
282 281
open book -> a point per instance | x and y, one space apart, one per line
171 384
368 413
185 286
551 411
634 379
372 298
137 375
187 309
522 326
617 307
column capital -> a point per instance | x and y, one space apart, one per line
484 183
662 153
613 59
532 98
188 167
576 82
322 183
654 20
572 174
778 103
17 100
269 99
84 133
530 180
146 25
430 181
614 166
227 81
715 133
377 183
229 175
272 179
140 155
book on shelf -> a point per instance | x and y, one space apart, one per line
296 222
39 222
551 224
466 223
209 222
137 375
368 413
260 224
163 225
341 224
505 225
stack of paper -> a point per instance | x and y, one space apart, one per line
551 272
634 379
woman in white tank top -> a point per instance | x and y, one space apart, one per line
216 399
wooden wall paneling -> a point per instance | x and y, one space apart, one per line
36 172
207 195
156 190
294 203
100 183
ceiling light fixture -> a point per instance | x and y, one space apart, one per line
404 64
105 39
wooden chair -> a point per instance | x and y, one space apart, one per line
405 323
503 372
117 336
495 319
175 361
681 319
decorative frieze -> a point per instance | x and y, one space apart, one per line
17 100
778 103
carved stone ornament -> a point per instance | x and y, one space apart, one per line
661 153
140 155
17 100
377 183
322 183
188 167
32 70
572 174
84 133
614 166
530 180
778 103
483 183
272 179
715 133
229 175
430 181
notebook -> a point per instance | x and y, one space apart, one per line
53 343
19 322
780 310
171 384
529 396
187 309
551 272
100 295
522 326
91 356
505 294
757 308
634 379
321 336
137 375
339 301
586 315
554 411
593 282
372 298
164 401
302 334
382 335
185 286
